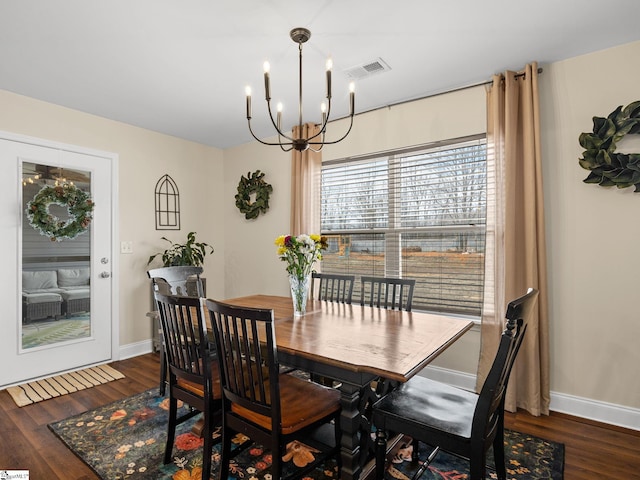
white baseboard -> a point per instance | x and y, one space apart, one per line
611 413
135 349
560 402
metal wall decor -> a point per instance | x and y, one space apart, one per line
167 204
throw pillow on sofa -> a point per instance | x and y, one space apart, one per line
36 281
73 277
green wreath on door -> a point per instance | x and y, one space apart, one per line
79 207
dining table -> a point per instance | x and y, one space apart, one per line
356 345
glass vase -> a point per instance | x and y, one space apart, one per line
299 292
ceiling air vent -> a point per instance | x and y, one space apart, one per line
367 69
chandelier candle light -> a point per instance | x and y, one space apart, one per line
313 142
300 253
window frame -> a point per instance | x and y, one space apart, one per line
393 249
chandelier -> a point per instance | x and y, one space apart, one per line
31 176
316 141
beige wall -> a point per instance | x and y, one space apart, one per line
250 262
144 156
249 243
592 232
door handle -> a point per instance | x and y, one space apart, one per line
105 274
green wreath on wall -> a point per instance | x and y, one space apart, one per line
608 167
79 206
253 184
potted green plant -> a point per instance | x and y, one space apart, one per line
191 253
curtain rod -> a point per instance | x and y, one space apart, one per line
521 74
453 90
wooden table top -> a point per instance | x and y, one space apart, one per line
387 343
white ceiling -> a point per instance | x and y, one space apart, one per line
180 67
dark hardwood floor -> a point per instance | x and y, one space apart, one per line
592 450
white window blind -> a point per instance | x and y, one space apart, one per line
418 213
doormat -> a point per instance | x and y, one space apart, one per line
39 390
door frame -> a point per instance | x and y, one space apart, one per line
114 251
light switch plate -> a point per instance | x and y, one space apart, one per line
126 247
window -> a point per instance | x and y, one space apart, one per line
418 213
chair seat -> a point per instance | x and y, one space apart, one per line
303 403
198 388
428 404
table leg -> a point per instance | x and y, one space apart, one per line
350 425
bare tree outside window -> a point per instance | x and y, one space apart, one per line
413 214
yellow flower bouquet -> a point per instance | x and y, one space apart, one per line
300 253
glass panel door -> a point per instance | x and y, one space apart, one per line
58 310
56 253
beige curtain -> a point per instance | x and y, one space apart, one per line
306 168
516 253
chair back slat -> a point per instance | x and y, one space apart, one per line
492 394
247 356
332 287
185 336
386 292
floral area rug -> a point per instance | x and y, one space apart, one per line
125 440
527 457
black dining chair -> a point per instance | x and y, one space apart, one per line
179 280
271 408
452 419
193 373
185 281
332 287
387 292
